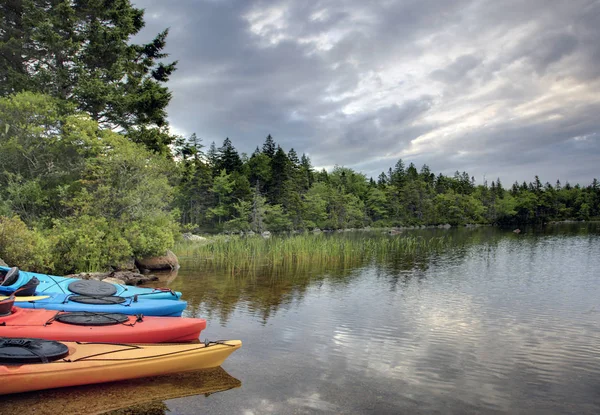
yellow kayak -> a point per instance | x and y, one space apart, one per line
88 363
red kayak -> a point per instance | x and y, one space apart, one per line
98 327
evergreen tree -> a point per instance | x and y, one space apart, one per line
269 147
228 157
279 175
398 175
81 52
306 170
213 158
382 181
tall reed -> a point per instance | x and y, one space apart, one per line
281 251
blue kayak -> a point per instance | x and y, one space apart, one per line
52 284
106 304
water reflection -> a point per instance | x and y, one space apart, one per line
137 396
499 323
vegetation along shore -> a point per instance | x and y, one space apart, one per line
92 176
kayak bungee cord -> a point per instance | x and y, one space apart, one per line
108 316
133 347
52 285
108 299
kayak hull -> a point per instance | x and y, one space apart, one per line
145 306
42 324
89 363
52 284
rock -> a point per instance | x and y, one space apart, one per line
394 231
195 238
99 276
114 280
167 261
266 234
2 263
316 230
250 233
517 230
131 278
127 265
116 277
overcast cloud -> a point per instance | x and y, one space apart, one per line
505 89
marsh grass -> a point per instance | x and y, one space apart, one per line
306 250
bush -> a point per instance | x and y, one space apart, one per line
87 244
151 236
23 247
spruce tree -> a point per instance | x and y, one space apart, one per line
81 52
269 147
228 157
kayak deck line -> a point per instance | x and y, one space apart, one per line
129 347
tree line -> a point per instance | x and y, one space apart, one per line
221 190
91 174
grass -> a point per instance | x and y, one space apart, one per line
305 249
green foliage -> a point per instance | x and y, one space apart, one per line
81 53
23 247
85 243
150 235
276 219
97 196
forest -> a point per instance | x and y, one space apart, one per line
91 174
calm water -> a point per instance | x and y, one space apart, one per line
499 323
502 323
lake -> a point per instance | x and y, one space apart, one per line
496 323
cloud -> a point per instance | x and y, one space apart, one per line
476 85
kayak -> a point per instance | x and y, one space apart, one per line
69 364
99 327
106 304
52 284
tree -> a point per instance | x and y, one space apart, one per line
222 188
81 53
258 211
279 174
269 147
228 158
306 172
213 158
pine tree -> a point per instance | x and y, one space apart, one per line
81 52
213 158
269 147
228 157
306 170
279 174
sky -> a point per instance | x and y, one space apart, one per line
507 89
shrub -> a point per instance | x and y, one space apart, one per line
23 247
84 243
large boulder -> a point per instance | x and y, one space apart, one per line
167 261
2 263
